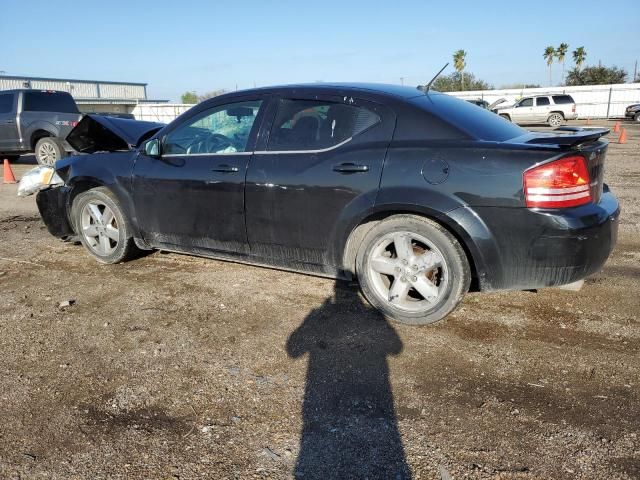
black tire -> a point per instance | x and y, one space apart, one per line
124 247
458 272
49 150
637 117
506 117
11 158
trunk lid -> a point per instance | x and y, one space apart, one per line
97 133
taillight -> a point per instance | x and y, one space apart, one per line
558 184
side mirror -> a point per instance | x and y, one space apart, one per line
152 148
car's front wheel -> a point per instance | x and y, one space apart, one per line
412 269
555 120
637 117
506 117
101 226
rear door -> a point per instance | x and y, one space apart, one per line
323 159
541 109
9 138
192 198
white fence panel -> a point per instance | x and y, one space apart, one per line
592 101
159 112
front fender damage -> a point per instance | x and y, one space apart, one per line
53 206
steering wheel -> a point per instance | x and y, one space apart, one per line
216 142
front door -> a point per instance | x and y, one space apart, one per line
542 109
192 198
523 112
323 159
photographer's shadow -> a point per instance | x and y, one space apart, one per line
350 428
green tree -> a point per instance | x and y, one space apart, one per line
596 76
549 54
211 94
453 81
561 52
189 97
459 62
579 55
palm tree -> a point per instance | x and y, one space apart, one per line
459 62
579 54
561 51
548 55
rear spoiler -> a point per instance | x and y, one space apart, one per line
575 136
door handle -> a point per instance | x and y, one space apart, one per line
225 169
350 168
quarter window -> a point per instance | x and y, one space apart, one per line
562 99
315 125
542 101
223 129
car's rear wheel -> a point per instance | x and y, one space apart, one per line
102 227
412 269
555 120
49 150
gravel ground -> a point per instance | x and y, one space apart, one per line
172 366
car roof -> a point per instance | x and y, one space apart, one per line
388 90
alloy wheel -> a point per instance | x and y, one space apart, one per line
47 154
100 228
408 271
555 119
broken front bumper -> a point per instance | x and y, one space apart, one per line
53 205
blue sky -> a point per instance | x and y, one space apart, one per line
207 45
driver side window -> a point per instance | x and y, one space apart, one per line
223 129
526 102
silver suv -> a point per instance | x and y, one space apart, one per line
553 110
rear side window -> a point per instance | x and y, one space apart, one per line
315 125
478 123
49 102
542 101
6 103
562 99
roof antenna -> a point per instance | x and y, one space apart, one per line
434 78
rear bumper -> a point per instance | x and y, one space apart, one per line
53 206
545 248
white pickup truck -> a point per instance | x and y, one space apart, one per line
553 110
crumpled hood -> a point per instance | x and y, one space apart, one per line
97 133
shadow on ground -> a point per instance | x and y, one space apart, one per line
350 428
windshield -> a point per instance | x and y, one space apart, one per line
479 123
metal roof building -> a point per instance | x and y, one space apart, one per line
90 95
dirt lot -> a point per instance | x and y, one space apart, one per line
179 367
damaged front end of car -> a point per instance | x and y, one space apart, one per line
92 138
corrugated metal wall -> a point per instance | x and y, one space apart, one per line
78 89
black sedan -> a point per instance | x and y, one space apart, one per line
419 196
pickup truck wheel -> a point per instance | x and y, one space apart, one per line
555 119
49 150
637 117
102 227
412 269
506 117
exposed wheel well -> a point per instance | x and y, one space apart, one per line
358 233
81 186
37 135
505 116
557 111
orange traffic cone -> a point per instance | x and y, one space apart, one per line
616 127
621 139
9 177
